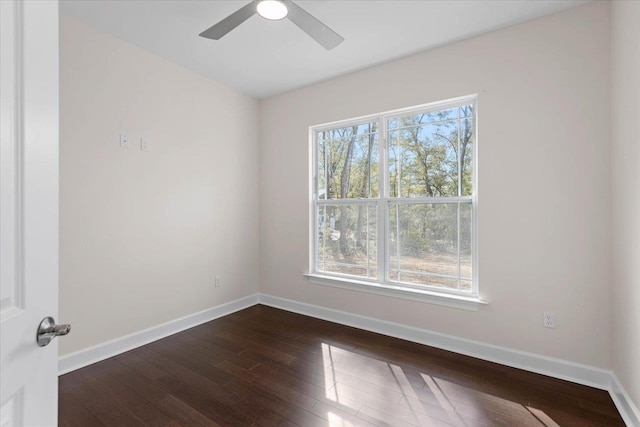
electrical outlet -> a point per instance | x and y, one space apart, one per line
124 141
548 321
145 145
218 282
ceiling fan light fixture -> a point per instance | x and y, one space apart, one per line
272 9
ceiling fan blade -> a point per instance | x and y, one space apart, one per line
230 22
314 28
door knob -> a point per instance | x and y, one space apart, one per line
48 330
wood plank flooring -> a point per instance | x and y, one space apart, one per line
268 367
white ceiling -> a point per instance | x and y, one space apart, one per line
262 58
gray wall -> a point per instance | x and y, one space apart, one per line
625 113
543 182
143 234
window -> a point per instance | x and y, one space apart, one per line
393 199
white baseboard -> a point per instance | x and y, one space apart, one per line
79 359
558 368
628 410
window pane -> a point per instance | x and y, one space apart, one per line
393 154
424 244
348 162
431 154
347 240
321 175
466 110
466 156
423 161
466 217
428 280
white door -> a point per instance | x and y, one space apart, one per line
28 210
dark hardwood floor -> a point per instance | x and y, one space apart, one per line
268 367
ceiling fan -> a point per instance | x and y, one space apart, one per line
275 10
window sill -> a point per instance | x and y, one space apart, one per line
469 303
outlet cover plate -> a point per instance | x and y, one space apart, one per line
548 320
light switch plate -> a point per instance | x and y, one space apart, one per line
124 141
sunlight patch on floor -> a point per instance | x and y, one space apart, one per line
376 389
338 421
544 418
442 398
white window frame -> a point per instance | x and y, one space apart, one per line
382 285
